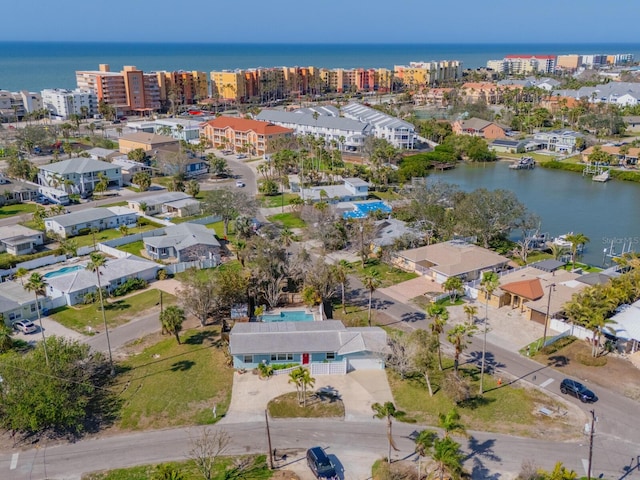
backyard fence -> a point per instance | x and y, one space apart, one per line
329 368
35 263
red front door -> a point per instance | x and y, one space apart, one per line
305 359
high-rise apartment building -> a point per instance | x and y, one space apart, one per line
63 103
418 74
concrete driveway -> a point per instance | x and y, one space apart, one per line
358 390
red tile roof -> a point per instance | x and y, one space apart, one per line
245 125
529 289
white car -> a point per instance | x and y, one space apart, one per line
239 183
25 326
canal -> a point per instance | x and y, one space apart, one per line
608 213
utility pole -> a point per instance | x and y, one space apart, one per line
266 419
593 421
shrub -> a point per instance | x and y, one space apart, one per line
162 274
283 366
265 370
129 286
7 263
557 345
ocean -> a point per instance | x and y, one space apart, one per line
34 66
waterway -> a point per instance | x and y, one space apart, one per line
608 213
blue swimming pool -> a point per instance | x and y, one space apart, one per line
362 209
290 316
63 271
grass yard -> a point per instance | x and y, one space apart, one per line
287 406
118 311
507 409
17 209
272 201
133 248
289 220
388 275
538 157
110 234
224 468
124 203
387 196
355 316
169 385
163 181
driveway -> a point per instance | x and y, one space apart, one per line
358 390
403 292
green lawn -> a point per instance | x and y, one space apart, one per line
224 468
538 157
118 311
133 248
287 406
17 209
169 385
289 220
124 203
388 275
164 181
505 409
276 200
110 234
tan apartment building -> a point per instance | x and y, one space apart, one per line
228 85
187 88
486 92
569 62
129 91
418 74
147 142
243 135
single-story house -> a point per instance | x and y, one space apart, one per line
185 242
101 218
16 303
506 145
130 168
75 285
19 240
630 157
154 204
351 189
80 174
455 258
253 343
390 230
182 208
104 154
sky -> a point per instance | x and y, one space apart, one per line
323 21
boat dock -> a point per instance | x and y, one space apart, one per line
603 177
599 171
525 163
443 166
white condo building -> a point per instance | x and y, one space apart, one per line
63 103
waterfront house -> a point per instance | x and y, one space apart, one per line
478 127
80 174
184 242
158 203
561 141
455 258
628 158
19 240
505 145
73 286
83 221
306 343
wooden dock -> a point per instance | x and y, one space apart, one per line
444 166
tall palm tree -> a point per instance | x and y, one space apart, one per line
387 411
490 281
446 453
21 273
172 318
577 241
450 423
307 381
38 285
458 336
295 377
557 251
371 282
439 316
97 261
470 311
341 271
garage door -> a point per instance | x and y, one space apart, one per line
365 364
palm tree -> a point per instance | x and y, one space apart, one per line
470 311
98 260
387 411
371 282
287 236
341 271
450 423
38 285
577 240
490 281
458 337
439 316
21 273
172 318
295 377
454 286
558 251
124 230
307 381
446 453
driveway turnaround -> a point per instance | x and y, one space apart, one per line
358 391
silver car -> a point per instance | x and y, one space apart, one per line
25 326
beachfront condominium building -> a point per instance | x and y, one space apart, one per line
17 104
182 88
524 64
569 62
228 86
63 103
129 91
243 135
419 74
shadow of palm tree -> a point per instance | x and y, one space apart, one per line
182 365
199 338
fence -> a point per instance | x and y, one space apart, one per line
329 368
285 371
199 264
35 263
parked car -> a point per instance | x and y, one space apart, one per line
241 156
320 464
578 390
239 183
25 326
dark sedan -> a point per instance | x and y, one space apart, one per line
578 390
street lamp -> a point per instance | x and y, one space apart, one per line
552 288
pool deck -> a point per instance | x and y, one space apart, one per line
317 317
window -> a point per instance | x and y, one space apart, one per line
247 358
330 355
281 357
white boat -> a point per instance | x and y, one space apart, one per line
561 241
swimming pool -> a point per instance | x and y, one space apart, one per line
362 209
63 271
288 316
